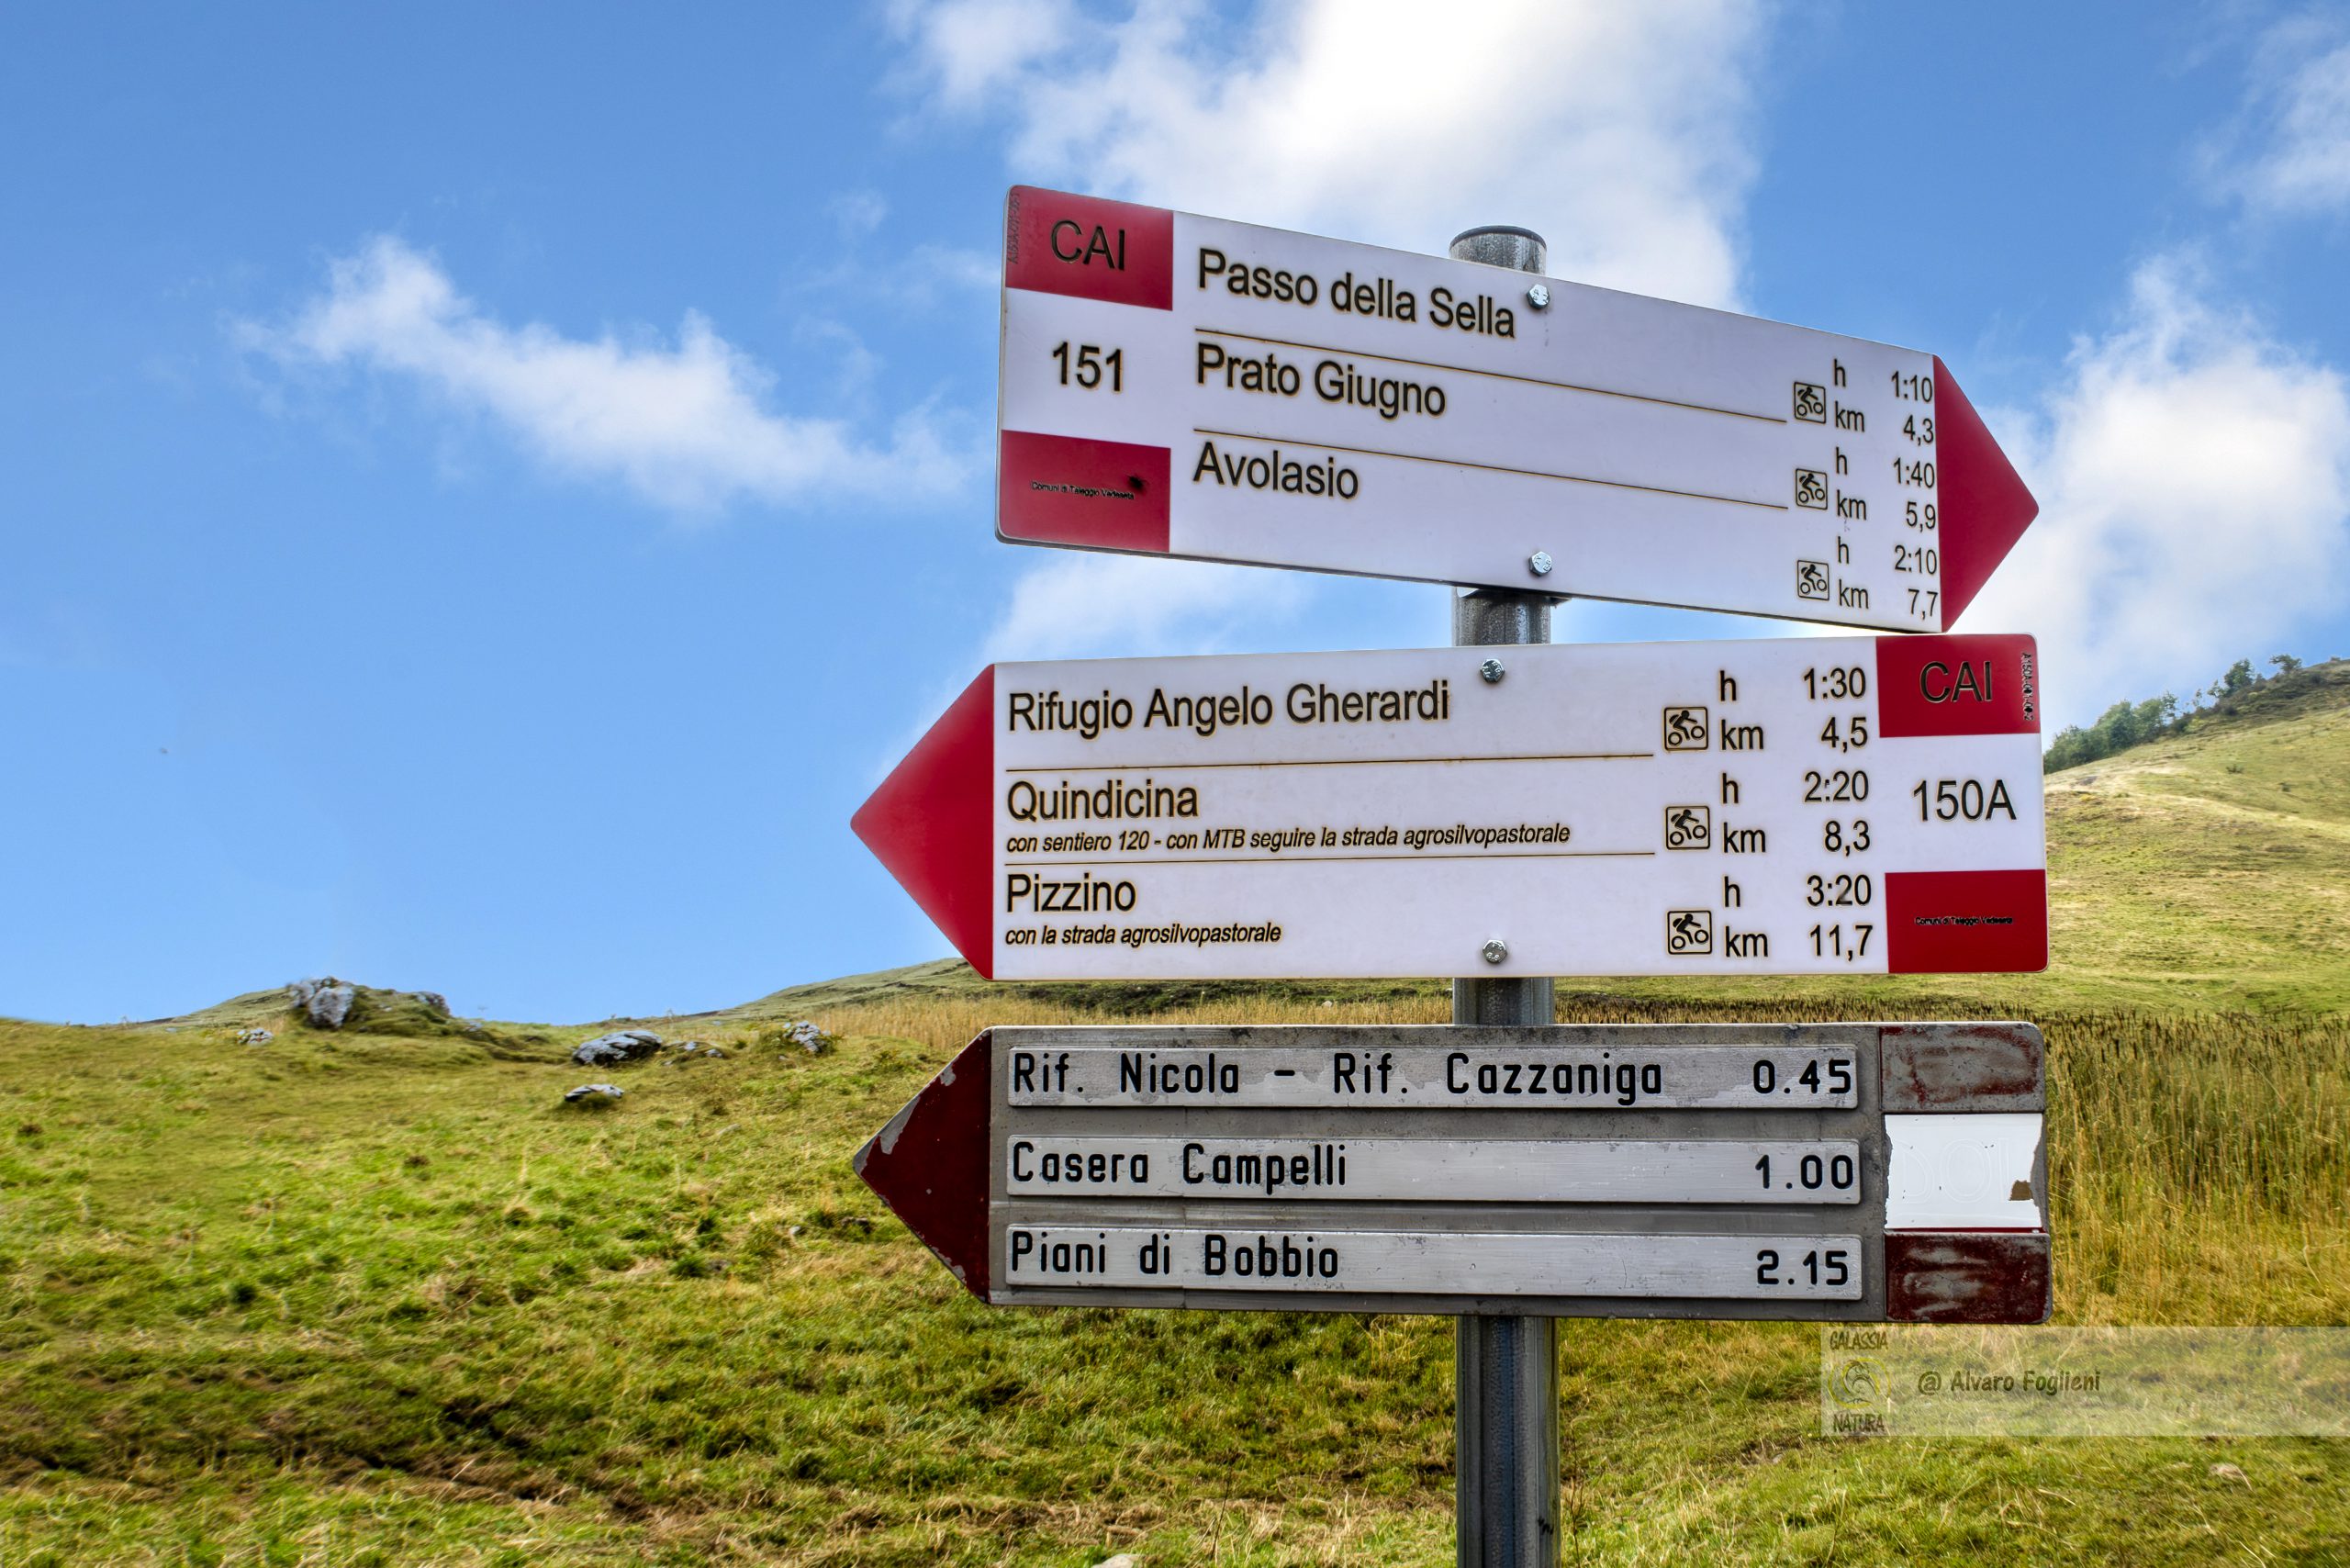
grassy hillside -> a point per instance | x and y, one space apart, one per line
369 1299
2215 865
376 1296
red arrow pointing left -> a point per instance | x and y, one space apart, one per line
929 1165
931 820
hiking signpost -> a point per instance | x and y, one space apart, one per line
1844 1173
1183 385
1503 809
1832 805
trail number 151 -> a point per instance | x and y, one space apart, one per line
1088 366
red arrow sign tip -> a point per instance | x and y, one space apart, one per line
929 1165
1985 507
931 821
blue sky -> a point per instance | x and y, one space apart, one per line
490 489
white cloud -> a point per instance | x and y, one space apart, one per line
2194 477
858 212
1098 606
974 46
934 269
1620 132
2289 149
686 426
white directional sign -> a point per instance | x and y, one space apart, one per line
1821 805
1853 1171
1629 1171
1184 385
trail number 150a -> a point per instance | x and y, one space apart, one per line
1963 799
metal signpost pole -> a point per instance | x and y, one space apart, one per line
1506 1369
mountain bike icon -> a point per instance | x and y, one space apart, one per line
1688 932
1684 729
1688 827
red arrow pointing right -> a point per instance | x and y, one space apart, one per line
1985 507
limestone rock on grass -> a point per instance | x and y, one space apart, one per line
594 1095
325 1002
619 1046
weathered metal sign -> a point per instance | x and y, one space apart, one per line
1183 385
1851 1172
1830 805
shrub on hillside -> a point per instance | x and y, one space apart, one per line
2127 724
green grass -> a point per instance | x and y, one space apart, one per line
378 1298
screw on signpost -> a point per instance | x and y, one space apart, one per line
1506 1369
